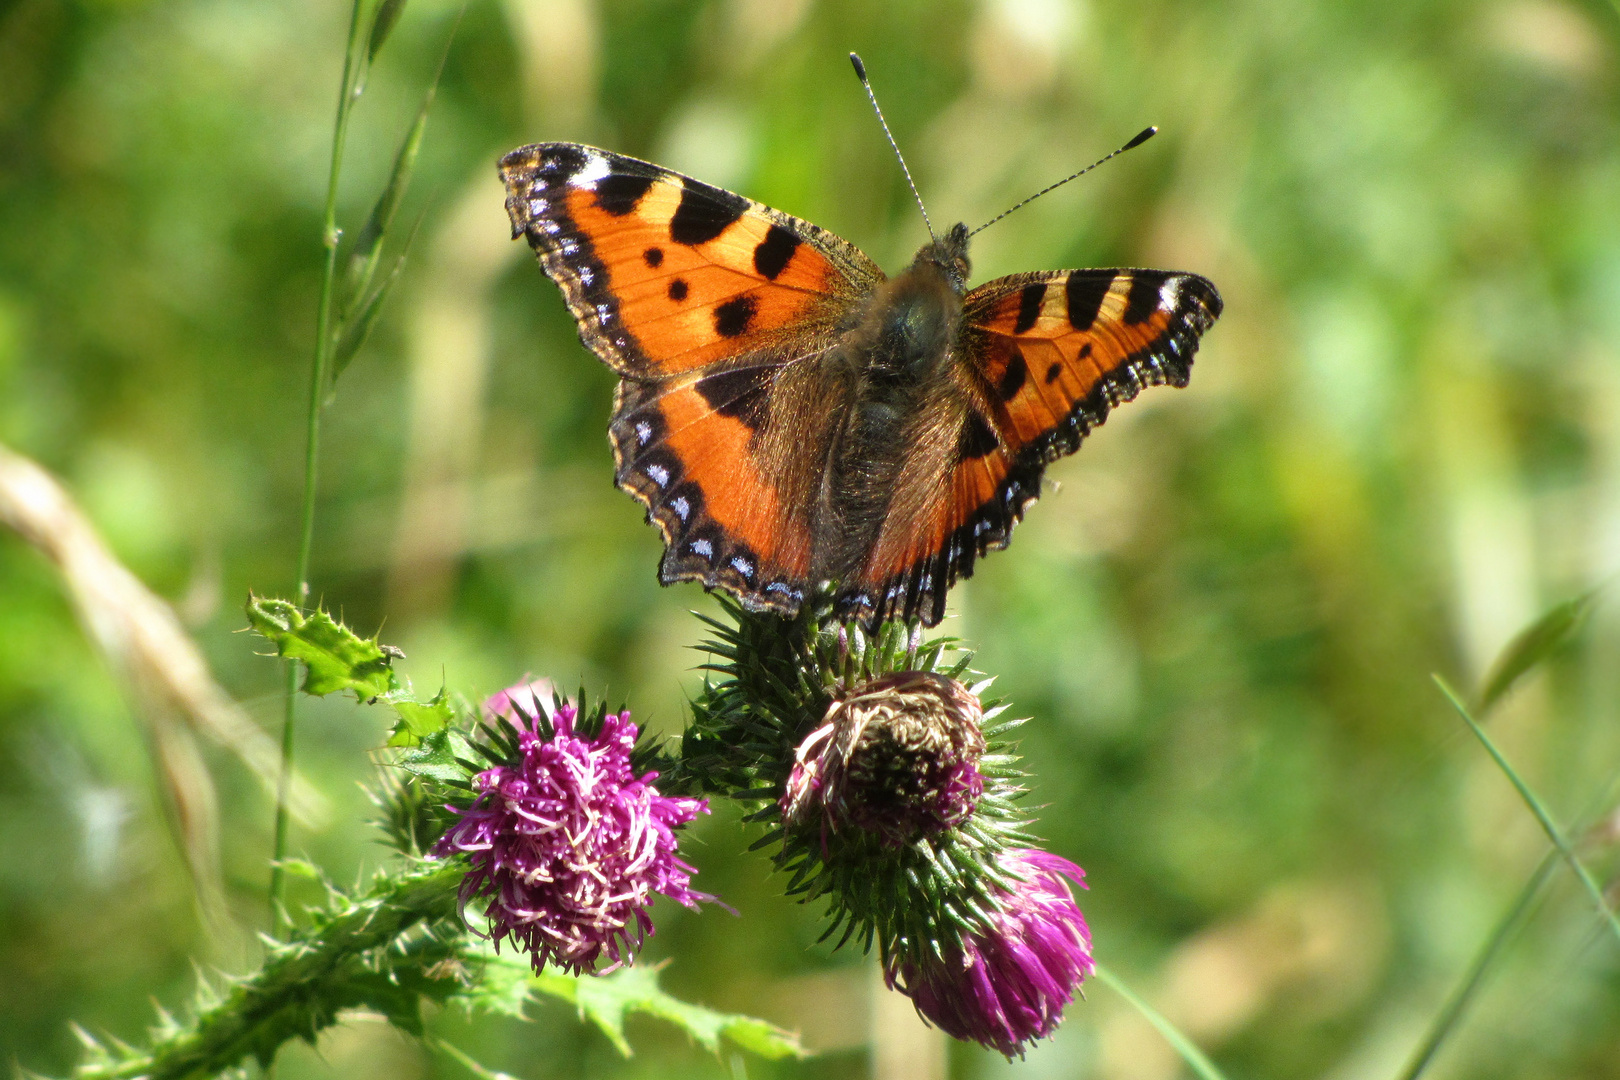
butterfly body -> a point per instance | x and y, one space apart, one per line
790 416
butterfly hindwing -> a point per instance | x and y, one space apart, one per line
666 274
727 464
1040 360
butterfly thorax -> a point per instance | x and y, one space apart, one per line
894 365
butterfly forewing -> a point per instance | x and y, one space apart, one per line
666 274
1040 361
1052 353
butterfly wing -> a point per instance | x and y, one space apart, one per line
666 274
713 309
1041 359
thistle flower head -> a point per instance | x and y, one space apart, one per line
897 757
566 844
1008 986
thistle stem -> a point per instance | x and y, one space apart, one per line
353 83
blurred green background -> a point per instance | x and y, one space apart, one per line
1401 443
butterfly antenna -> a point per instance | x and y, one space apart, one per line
860 73
1143 136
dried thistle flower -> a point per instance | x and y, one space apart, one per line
896 757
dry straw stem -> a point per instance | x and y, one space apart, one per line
167 678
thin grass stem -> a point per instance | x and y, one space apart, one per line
1537 807
1195 1058
1445 1021
353 65
1462 998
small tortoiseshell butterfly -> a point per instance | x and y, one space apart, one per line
790 416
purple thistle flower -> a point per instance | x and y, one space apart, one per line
567 845
897 757
1008 987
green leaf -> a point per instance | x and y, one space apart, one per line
1532 645
335 658
382 24
439 756
418 719
506 986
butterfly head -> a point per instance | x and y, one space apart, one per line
949 254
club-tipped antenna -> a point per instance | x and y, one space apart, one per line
860 73
1141 137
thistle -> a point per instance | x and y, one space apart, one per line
565 842
896 757
1007 986
890 791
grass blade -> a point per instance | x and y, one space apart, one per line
1537 807
357 328
1531 646
361 304
382 24
367 252
1195 1058
1445 1021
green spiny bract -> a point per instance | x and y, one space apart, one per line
774 683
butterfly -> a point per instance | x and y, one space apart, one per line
791 417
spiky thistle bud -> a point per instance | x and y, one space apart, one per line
897 756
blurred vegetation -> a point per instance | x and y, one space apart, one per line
1401 444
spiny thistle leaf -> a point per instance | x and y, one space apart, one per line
1531 646
507 986
445 756
418 719
336 659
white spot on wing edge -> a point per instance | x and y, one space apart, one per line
1170 292
596 168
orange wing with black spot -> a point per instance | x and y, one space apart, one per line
1040 360
703 301
666 274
